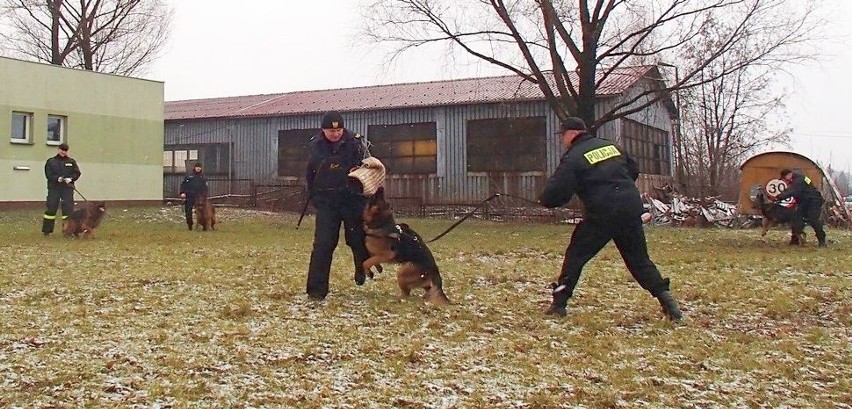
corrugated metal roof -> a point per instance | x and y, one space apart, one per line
409 95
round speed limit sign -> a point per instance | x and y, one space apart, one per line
774 188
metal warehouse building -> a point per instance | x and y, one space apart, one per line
444 142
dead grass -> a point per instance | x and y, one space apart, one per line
150 315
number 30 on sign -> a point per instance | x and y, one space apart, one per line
774 188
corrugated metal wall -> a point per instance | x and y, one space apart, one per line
254 144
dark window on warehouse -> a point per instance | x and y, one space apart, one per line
293 151
406 148
648 146
506 144
214 157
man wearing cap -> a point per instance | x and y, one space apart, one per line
337 198
809 205
603 176
193 184
61 172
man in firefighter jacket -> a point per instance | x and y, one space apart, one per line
61 172
334 152
603 176
809 205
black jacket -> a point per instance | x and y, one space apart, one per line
329 163
193 184
59 166
601 174
801 188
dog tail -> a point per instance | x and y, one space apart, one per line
435 293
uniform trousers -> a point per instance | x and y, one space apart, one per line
330 213
188 204
809 210
54 195
591 235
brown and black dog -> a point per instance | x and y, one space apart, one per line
775 214
84 220
388 241
205 213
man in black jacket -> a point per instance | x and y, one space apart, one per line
193 184
808 205
61 172
603 176
334 152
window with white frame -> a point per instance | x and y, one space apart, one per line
56 129
174 159
215 158
21 127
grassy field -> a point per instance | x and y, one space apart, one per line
148 314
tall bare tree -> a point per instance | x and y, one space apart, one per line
114 36
544 41
723 122
728 117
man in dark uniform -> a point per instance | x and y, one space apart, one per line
809 205
334 152
61 172
603 177
193 184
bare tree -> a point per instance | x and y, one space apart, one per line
114 36
728 117
544 41
723 122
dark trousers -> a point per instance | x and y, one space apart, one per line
54 196
326 235
809 210
188 204
590 236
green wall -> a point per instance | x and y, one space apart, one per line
114 128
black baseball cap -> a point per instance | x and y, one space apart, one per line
332 120
572 123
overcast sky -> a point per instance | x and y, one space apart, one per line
272 46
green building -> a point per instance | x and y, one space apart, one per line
113 125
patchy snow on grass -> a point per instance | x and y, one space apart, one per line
150 315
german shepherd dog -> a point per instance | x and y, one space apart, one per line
775 214
84 220
388 241
205 213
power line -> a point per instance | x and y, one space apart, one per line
817 135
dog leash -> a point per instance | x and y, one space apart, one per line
81 195
479 206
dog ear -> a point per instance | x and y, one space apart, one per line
380 193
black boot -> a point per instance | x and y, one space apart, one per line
560 301
669 305
794 240
47 226
189 224
360 277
